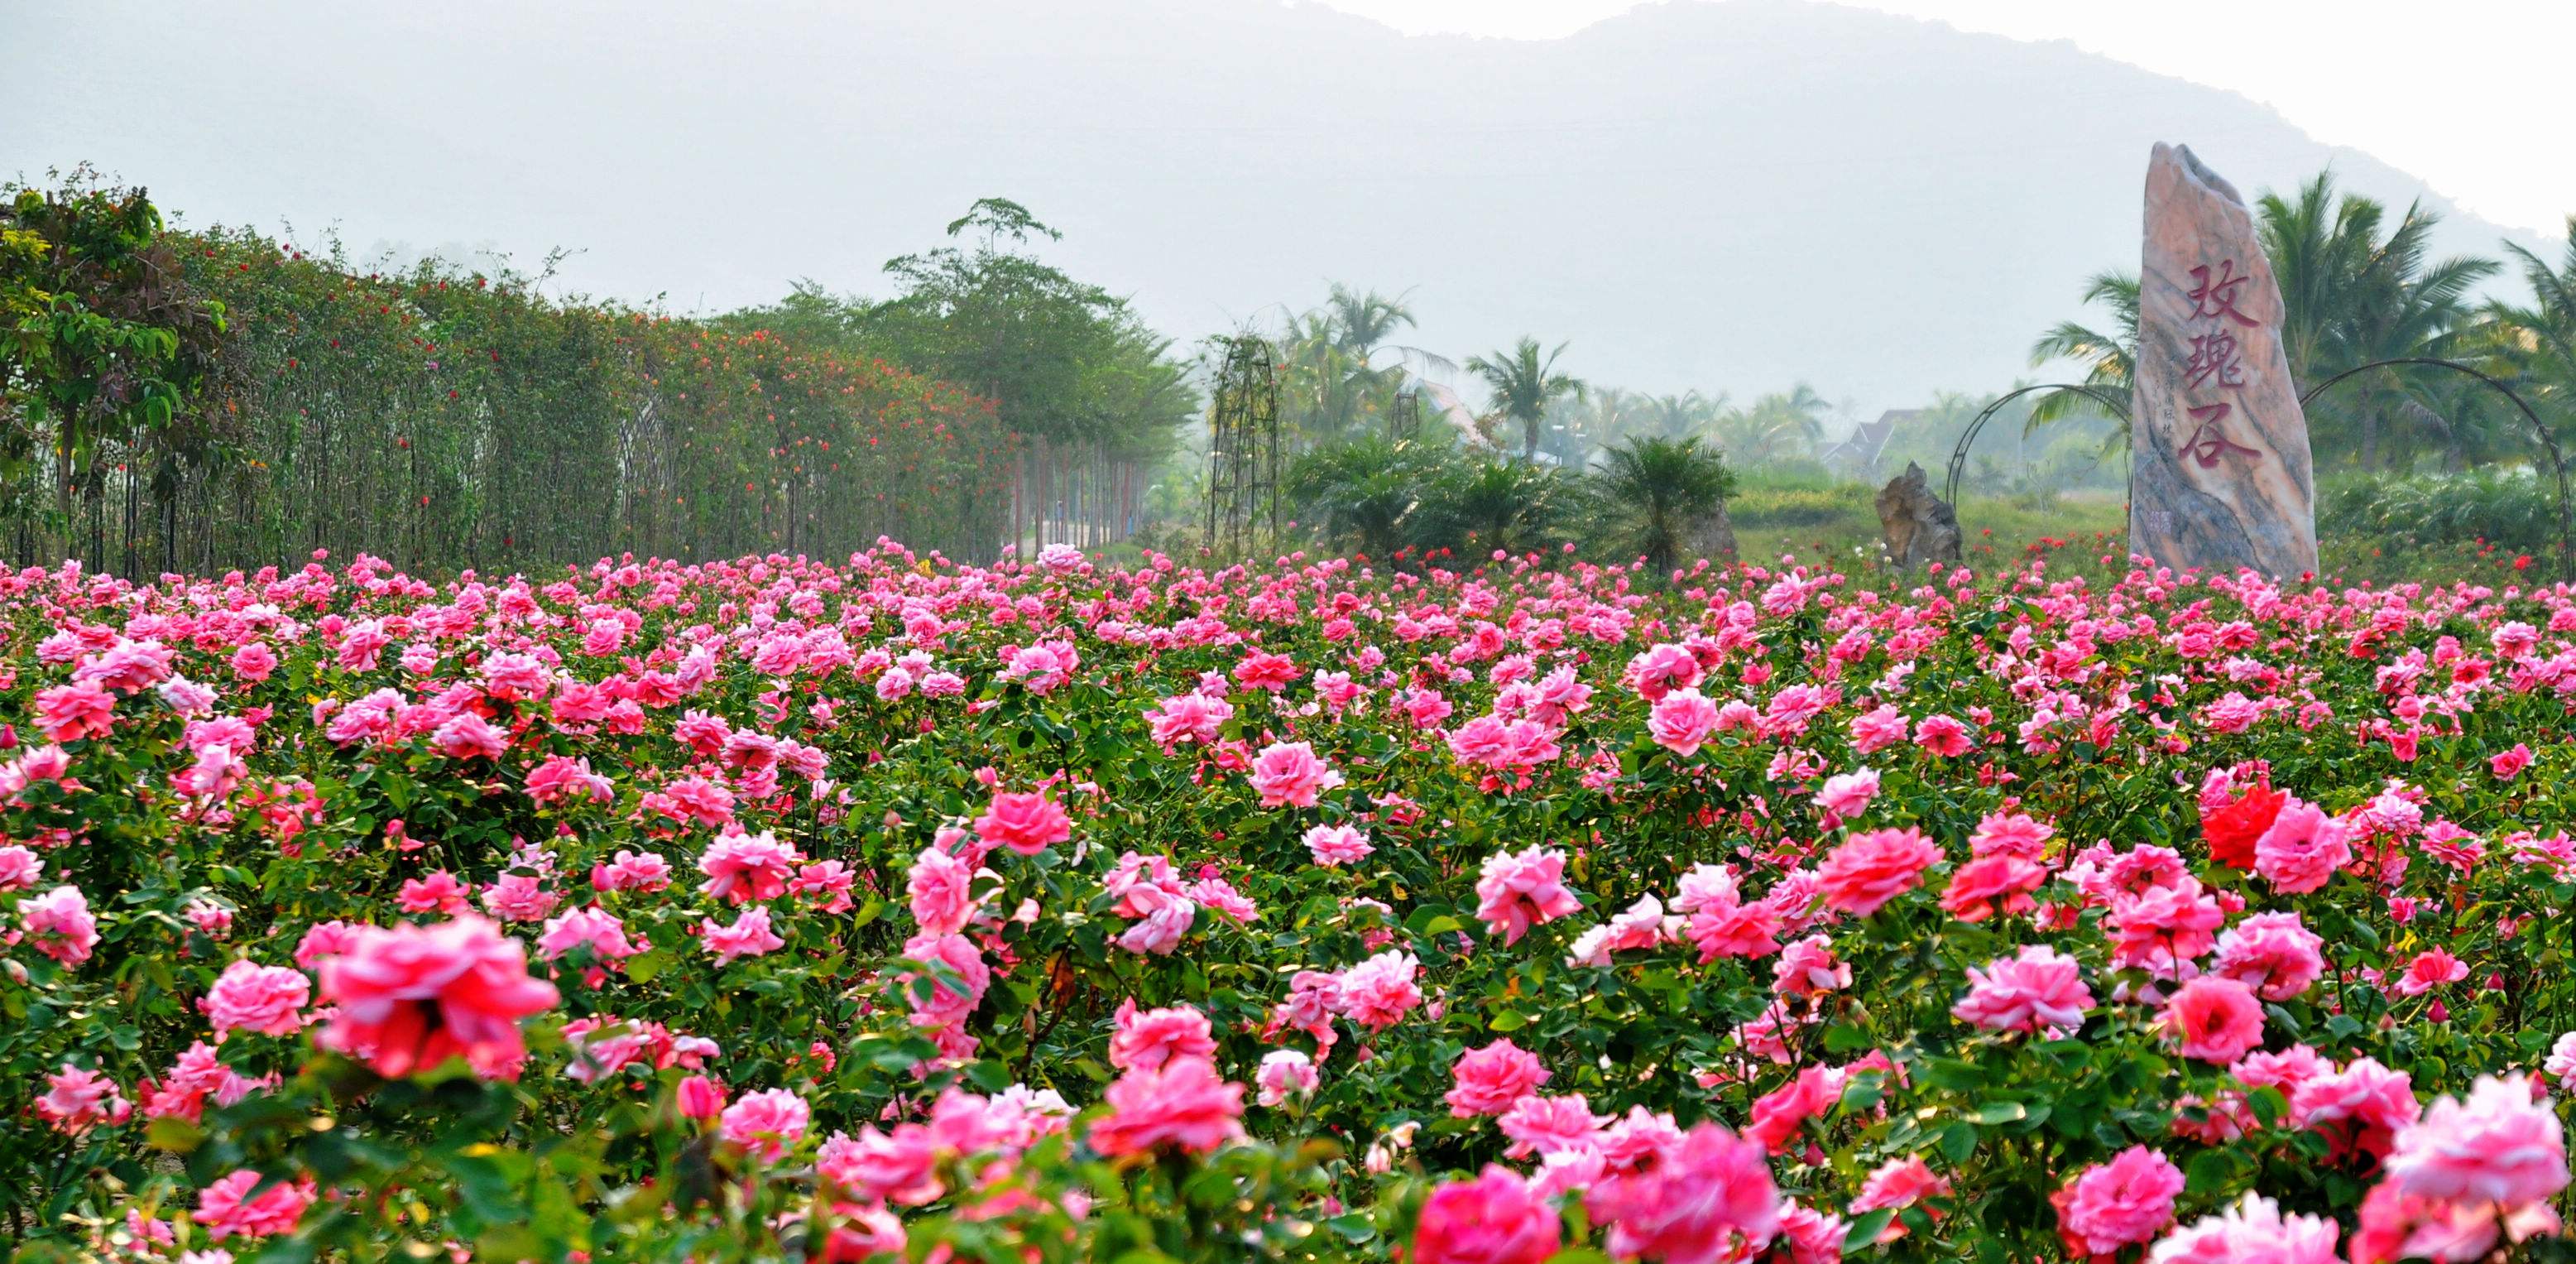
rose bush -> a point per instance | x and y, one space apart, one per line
776 908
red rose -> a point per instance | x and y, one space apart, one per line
2231 830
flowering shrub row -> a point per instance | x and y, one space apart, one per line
1041 912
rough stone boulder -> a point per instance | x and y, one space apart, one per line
1917 527
1712 536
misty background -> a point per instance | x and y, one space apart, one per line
1737 196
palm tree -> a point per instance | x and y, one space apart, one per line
1523 382
2537 343
2349 298
1782 425
1656 494
1681 416
1363 492
2110 358
1515 506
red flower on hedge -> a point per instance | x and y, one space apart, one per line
2231 830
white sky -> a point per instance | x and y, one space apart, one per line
2461 92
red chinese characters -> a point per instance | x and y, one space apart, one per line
2207 444
2215 360
2216 296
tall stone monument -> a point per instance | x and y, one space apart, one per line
2220 475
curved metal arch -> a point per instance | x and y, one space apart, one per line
1959 454
2539 429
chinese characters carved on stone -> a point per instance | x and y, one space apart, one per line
2216 360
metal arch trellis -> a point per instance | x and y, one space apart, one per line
2539 429
1243 449
1959 454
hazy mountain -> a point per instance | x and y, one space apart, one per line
1728 195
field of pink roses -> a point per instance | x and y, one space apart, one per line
775 909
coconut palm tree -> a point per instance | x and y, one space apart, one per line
1681 416
2349 297
1654 495
2536 342
2109 356
1523 382
1781 426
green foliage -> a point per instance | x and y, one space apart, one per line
2512 509
1654 497
1473 508
1523 383
104 346
1364 493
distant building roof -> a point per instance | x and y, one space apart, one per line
1869 438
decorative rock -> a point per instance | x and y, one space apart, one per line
2220 476
1712 536
1918 528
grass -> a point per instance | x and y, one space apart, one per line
1813 523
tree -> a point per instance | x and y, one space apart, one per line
1331 382
1522 383
2109 357
1514 506
1063 359
1363 493
1654 494
2536 342
1777 427
1681 416
105 347
2350 298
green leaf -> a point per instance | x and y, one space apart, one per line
1958 1141
1864 1232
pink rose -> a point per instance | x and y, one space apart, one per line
265 999
411 997
1489 1081
766 1123
1025 823
2038 990
1708 1197
2125 1202
1285 1073
1289 774
1335 845
1549 1125
2302 849
2507 765
1517 891
59 922
1495 1218
2214 1019
227 1206
1846 795
1377 992
1681 721
1870 869
2501 1145
1149 1038
2273 953
749 935
1183 1104
2252 1232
